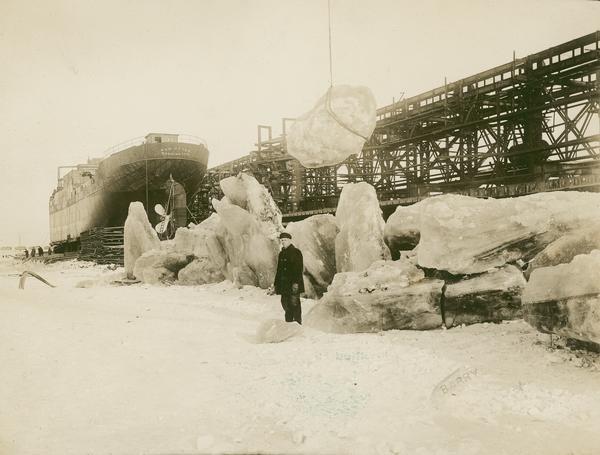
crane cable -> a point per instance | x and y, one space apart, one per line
328 102
330 57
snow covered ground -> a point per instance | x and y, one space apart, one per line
175 370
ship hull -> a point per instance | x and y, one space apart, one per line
138 173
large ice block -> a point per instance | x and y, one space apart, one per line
246 192
139 236
360 240
579 277
490 297
403 229
249 244
388 295
315 237
565 248
465 235
160 266
210 259
565 299
337 127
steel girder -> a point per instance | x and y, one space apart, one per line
530 125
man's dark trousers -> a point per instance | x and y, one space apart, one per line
291 306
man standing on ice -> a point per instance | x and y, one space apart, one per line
288 279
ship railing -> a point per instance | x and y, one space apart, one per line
189 139
123 145
184 138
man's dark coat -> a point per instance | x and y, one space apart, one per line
289 270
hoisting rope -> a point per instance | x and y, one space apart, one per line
328 102
191 214
147 206
171 195
330 58
337 119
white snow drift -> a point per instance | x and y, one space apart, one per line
149 369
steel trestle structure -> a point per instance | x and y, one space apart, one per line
527 126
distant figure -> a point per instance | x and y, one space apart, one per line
49 251
26 253
33 252
40 251
289 282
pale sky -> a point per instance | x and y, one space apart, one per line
80 76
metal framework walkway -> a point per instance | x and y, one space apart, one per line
527 126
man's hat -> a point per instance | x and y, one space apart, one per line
285 235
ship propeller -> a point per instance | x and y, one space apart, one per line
162 225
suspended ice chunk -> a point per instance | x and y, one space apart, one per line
565 299
388 295
139 236
465 235
337 127
360 240
315 237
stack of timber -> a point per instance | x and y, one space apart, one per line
103 245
